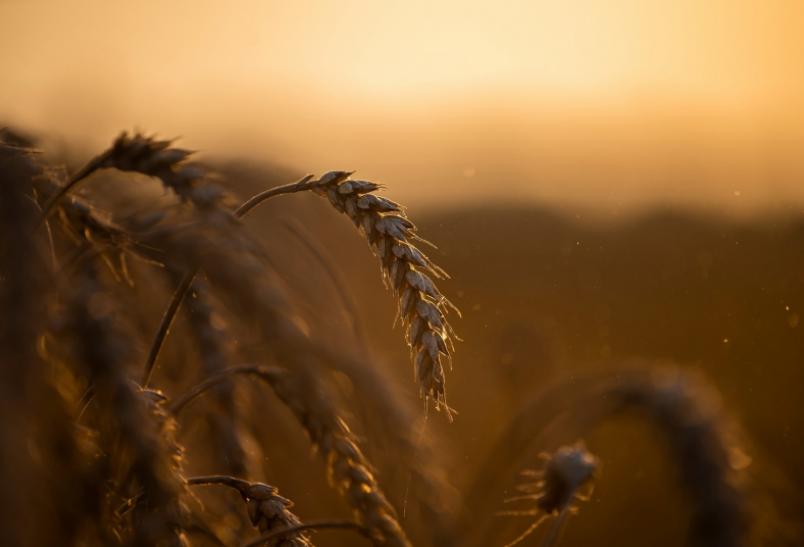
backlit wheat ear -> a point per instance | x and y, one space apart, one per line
267 510
407 271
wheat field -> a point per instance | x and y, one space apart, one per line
183 365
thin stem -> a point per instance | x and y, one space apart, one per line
83 173
554 532
226 480
86 398
303 184
314 525
527 532
50 240
166 322
233 482
178 405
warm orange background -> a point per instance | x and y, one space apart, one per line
608 104
565 113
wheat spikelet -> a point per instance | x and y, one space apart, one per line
407 271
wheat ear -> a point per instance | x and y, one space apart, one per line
407 271
149 156
348 469
556 488
267 510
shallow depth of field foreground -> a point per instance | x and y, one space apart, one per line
421 274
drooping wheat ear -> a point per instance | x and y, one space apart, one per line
130 432
267 510
149 156
348 469
708 456
407 271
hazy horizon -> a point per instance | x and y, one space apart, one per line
608 106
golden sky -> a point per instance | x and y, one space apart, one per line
602 103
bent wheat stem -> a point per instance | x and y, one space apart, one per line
186 282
